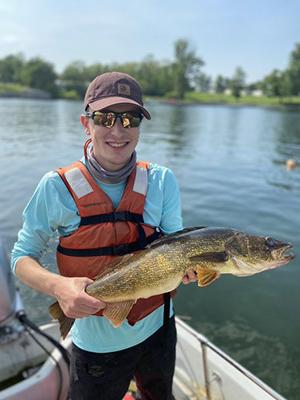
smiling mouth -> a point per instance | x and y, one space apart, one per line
117 145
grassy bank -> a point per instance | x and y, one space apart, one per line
12 88
17 90
20 91
215 98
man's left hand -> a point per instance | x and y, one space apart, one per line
190 276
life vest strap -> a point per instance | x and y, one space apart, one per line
112 217
167 302
118 250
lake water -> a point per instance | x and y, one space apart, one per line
230 164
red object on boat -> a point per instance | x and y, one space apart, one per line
128 396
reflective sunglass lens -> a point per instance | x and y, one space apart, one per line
126 121
131 120
108 119
97 118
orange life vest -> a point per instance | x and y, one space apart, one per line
104 232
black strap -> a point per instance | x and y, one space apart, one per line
118 250
112 217
142 236
167 301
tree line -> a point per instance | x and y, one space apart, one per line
170 79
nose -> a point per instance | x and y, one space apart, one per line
118 128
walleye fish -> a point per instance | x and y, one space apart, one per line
160 267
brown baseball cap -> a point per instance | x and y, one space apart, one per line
114 88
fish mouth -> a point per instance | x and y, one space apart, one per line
282 255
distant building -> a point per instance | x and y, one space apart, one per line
257 93
246 92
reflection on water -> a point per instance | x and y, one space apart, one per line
230 164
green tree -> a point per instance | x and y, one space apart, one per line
155 77
286 84
74 72
221 84
164 79
39 74
203 83
74 78
293 71
272 83
10 68
186 68
237 82
91 71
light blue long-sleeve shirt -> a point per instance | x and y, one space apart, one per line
52 211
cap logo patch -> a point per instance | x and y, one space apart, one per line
123 89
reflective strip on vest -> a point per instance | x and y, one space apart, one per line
78 182
141 181
81 186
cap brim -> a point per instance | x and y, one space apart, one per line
110 101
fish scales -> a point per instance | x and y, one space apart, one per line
142 276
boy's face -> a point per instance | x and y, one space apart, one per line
113 146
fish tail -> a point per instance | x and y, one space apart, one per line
65 323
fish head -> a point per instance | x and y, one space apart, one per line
250 254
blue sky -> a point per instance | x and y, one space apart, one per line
256 35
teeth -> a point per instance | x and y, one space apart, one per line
117 144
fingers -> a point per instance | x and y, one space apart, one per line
90 304
190 276
82 306
74 300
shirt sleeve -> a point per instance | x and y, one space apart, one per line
42 216
171 220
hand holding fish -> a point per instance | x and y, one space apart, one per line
73 299
189 277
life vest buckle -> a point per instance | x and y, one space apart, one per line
119 216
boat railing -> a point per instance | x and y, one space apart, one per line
203 371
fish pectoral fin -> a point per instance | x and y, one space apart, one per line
206 276
116 313
211 257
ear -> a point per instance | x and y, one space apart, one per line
85 123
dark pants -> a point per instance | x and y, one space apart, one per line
106 376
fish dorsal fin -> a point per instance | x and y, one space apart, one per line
170 237
112 266
206 276
210 257
116 313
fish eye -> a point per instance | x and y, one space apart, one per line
270 241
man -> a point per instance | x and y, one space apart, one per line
102 207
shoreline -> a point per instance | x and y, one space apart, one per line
241 104
26 93
191 99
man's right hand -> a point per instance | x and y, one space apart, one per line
70 292
74 301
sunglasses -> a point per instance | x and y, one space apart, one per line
129 119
